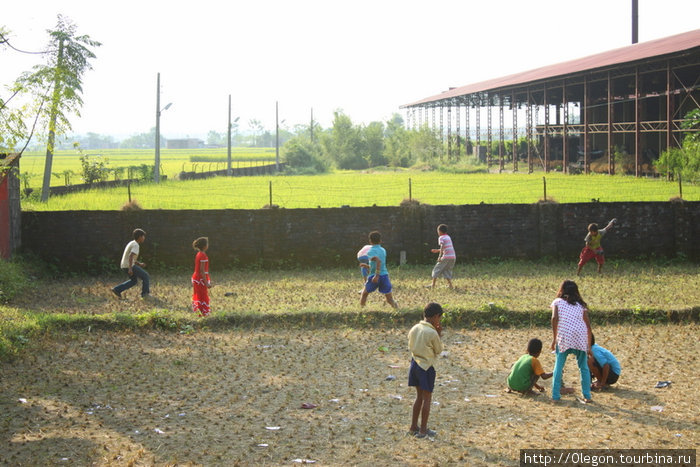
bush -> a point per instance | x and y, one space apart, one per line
303 156
132 205
12 280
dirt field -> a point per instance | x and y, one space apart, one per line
235 397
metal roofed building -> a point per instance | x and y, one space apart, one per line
626 104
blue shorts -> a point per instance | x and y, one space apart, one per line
424 379
383 284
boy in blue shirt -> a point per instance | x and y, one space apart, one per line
603 365
378 274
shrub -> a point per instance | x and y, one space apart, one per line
303 156
132 205
12 280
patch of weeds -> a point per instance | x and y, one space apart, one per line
187 329
493 308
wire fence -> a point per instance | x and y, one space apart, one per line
388 189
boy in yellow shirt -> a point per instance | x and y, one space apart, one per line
425 346
593 248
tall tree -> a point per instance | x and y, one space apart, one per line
12 127
59 82
343 144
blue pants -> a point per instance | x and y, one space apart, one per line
139 273
582 360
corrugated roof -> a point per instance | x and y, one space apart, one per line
630 53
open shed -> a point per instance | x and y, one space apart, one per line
622 107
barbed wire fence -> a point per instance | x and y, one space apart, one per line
272 192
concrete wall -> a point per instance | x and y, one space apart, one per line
332 236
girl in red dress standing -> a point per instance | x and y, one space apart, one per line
201 282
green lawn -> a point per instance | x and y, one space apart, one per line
367 188
173 161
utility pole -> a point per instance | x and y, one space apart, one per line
311 126
228 153
635 21
156 169
277 137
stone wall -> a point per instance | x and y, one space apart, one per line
310 237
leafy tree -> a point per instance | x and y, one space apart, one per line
302 155
142 141
256 127
396 143
373 136
12 127
685 160
425 144
343 144
216 139
58 84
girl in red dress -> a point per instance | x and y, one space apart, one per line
201 282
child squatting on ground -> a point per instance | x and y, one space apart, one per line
603 365
201 282
133 268
593 249
527 370
425 346
571 331
447 258
378 274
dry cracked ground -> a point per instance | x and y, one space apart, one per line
235 397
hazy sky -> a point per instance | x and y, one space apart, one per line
364 57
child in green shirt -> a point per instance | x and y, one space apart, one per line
527 370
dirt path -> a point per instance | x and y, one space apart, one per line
235 397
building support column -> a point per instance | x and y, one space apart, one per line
565 131
514 106
586 136
637 132
489 136
477 111
467 136
611 157
457 135
501 133
669 106
546 130
449 132
528 130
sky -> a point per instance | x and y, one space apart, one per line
365 58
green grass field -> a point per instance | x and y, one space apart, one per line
383 188
173 161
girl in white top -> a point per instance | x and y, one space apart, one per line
571 330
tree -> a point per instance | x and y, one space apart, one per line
303 156
142 140
216 139
425 144
396 143
59 84
374 144
257 128
12 127
343 144
685 160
